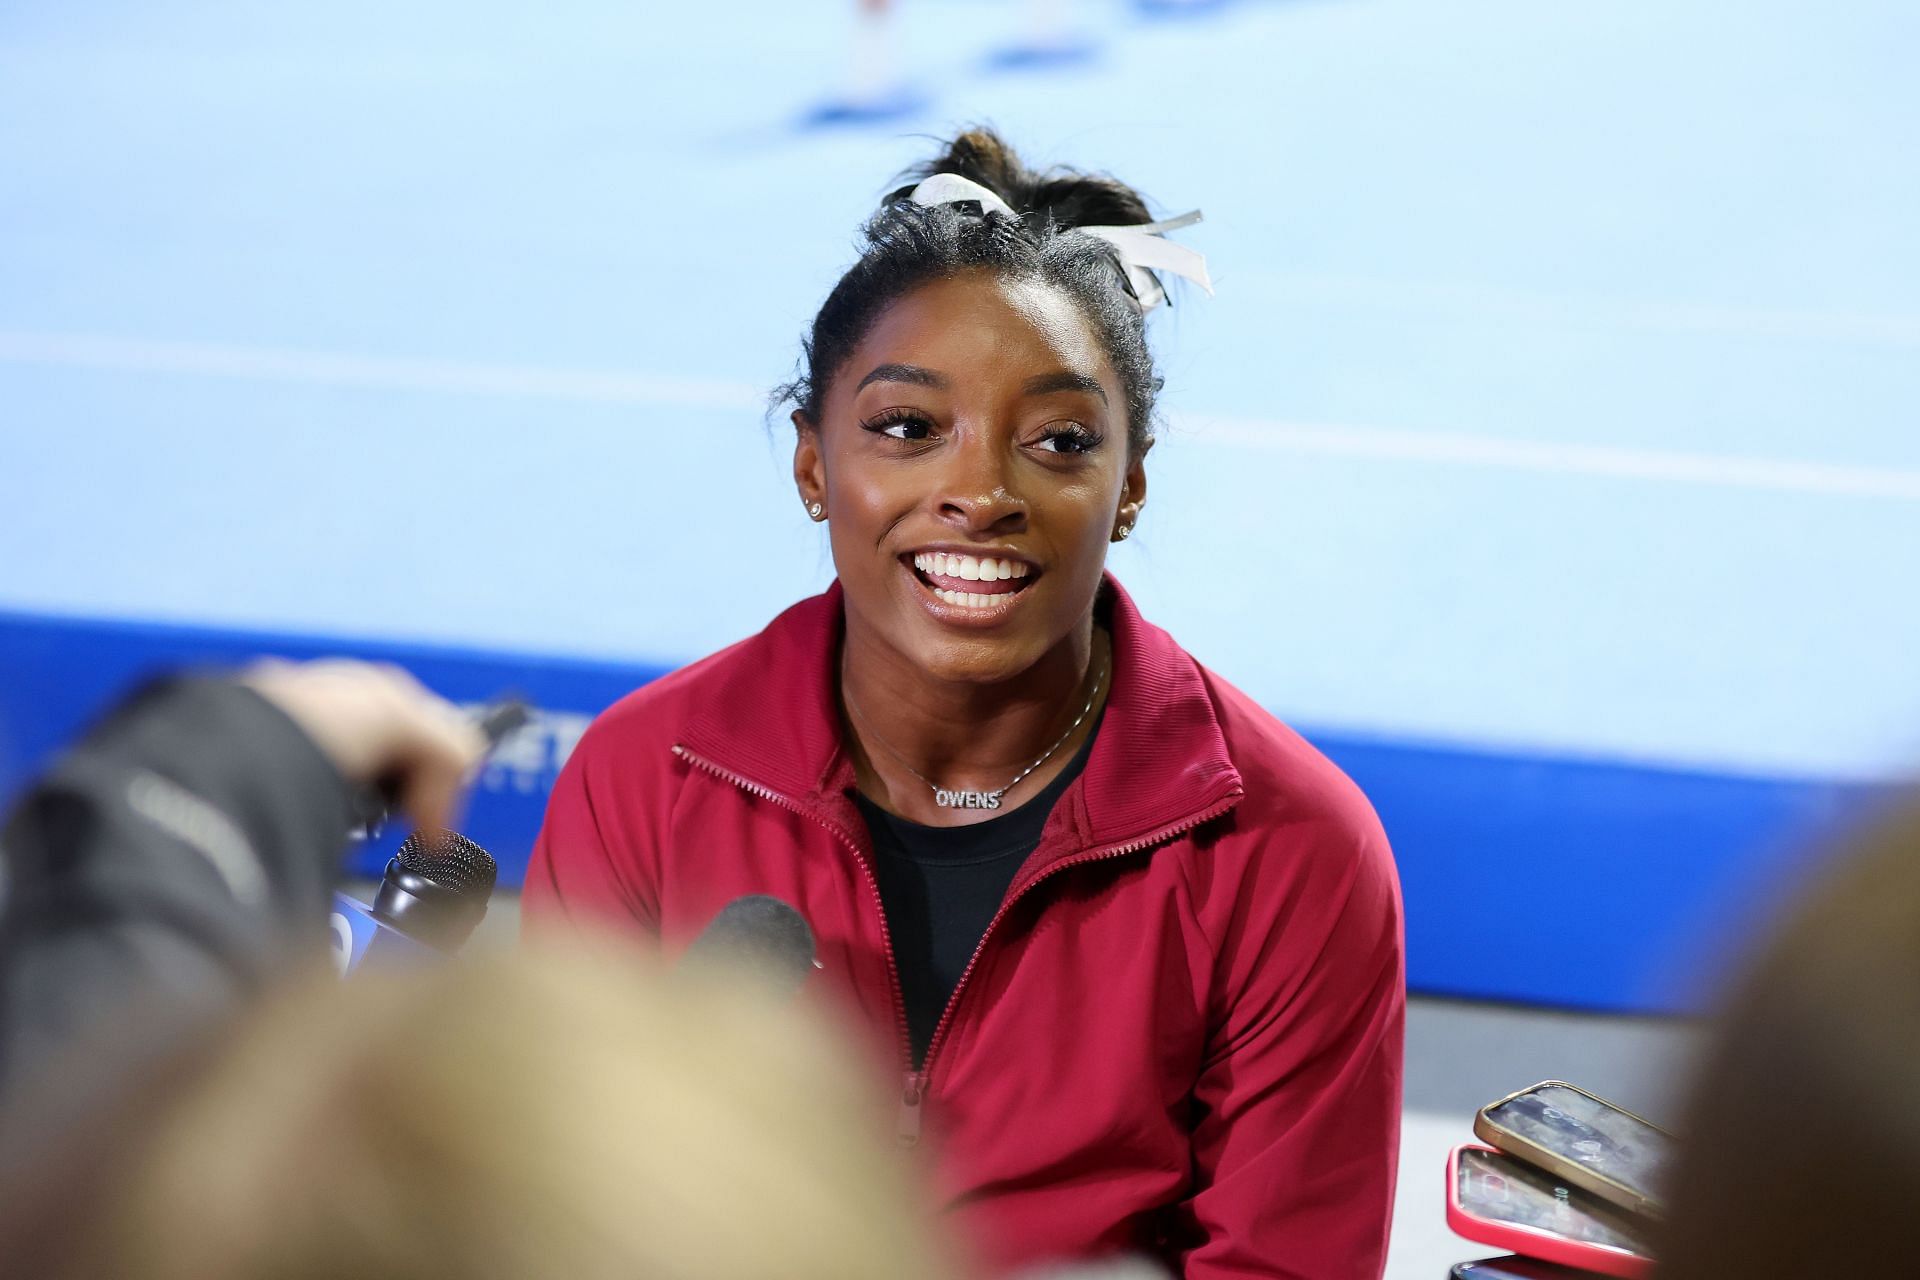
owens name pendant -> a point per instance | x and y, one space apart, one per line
966 799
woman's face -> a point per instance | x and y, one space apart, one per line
972 457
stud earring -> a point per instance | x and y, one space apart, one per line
815 510
1120 534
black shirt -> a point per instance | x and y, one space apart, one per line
940 888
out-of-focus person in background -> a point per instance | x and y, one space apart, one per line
564 1111
1801 1139
173 861
1133 945
873 69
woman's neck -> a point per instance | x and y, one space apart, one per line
963 735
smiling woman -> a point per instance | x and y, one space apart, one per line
987 426
1134 946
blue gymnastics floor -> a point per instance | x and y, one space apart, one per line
1556 415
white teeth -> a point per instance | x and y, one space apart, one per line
968 599
985 569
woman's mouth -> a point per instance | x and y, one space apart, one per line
988 584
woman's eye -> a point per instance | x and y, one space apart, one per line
900 426
1069 438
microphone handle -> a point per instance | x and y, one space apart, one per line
357 935
374 801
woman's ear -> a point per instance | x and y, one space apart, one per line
809 466
1133 495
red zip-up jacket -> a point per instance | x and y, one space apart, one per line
1181 1033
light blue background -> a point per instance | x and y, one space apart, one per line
1558 397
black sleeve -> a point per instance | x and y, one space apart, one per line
163 869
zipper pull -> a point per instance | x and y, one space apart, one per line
910 1100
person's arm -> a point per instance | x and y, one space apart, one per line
172 860
1296 1142
587 866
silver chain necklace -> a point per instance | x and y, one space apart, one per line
968 798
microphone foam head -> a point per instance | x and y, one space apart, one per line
451 861
759 936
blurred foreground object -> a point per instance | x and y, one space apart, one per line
562 1110
1801 1145
760 939
187 847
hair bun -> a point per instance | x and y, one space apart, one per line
1066 196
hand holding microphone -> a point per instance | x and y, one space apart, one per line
406 748
168 865
381 728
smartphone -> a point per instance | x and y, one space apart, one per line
1515 1267
1584 1141
1500 1200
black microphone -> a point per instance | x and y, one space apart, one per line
436 889
759 936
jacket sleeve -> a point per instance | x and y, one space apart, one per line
588 865
161 870
1296 1139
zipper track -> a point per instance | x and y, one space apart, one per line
904 1037
917 1080
1096 855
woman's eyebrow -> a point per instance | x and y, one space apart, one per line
912 373
1064 380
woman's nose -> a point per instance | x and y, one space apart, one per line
976 492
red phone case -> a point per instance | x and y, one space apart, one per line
1533 1241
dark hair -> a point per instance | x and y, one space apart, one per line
1802 1136
906 245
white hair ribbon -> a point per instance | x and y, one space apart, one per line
1141 246
951 188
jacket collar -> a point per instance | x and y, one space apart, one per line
1160 759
